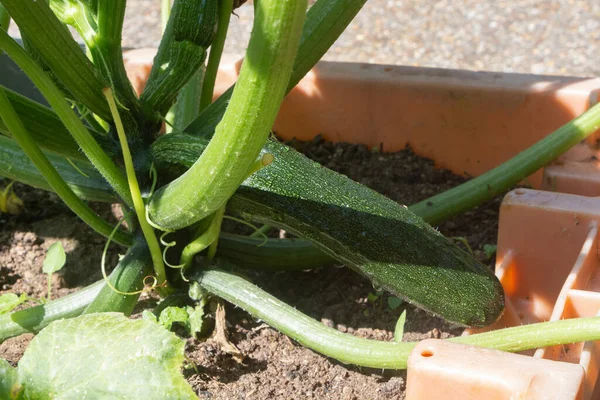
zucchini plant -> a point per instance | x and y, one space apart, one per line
99 141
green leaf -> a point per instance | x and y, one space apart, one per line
399 331
196 319
170 315
148 315
10 301
372 297
196 292
8 381
394 302
55 258
490 250
104 356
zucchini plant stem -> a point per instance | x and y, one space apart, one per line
33 319
187 106
100 30
165 13
4 19
35 154
107 42
14 164
62 54
216 50
55 98
228 158
478 190
204 240
189 32
325 21
263 230
138 201
376 354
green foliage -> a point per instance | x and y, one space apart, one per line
55 258
104 356
172 315
399 330
10 301
8 381
190 318
221 158
394 302
53 262
376 298
490 250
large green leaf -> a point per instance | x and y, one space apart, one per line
8 379
104 356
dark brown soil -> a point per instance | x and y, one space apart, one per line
274 367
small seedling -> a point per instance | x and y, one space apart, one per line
376 299
54 261
399 330
394 302
489 250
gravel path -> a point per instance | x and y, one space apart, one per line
530 36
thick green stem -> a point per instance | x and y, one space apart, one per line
182 50
107 41
81 176
34 319
82 136
375 354
272 254
100 28
60 52
129 273
4 19
476 191
216 50
204 240
227 160
138 201
78 15
325 21
165 13
187 106
128 277
47 130
29 146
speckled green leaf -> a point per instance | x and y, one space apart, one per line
8 379
104 356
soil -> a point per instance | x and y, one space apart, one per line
273 366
